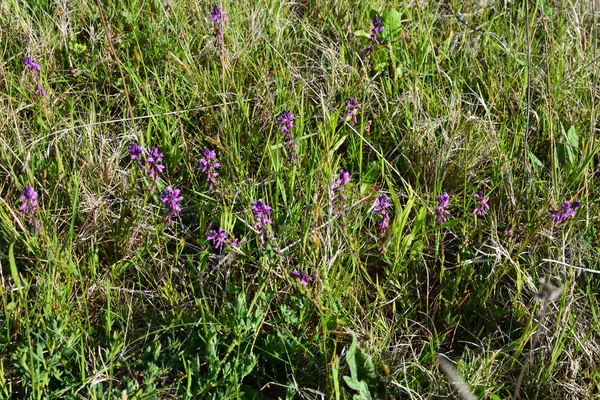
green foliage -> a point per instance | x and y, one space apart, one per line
46 360
363 377
226 354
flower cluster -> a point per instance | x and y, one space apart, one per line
153 160
136 152
286 123
29 205
261 213
566 211
339 186
171 198
482 205
219 18
34 68
303 277
209 166
377 28
220 238
352 110
441 210
381 207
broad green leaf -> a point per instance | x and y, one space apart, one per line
392 25
535 161
572 144
370 177
350 358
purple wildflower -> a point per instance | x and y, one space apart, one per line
483 206
33 67
209 165
441 211
29 199
218 15
374 31
567 210
338 185
303 277
381 207
352 110
136 151
171 199
261 212
154 160
39 89
29 205
219 238
443 200
286 121
219 18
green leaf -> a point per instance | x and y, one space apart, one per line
350 358
369 177
360 386
572 144
392 25
355 384
535 161
366 368
361 33
13 266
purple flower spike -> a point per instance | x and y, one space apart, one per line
218 15
286 121
136 151
381 207
377 28
352 110
219 18
443 200
31 65
382 204
219 238
441 211
567 210
29 205
338 186
483 206
209 165
303 277
171 199
154 160
29 200
261 212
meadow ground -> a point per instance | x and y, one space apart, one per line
299 199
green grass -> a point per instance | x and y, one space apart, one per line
106 301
